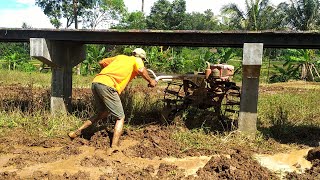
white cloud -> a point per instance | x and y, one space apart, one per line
27 2
33 16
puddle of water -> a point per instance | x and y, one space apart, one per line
70 165
190 164
285 162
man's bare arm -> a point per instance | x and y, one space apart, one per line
144 73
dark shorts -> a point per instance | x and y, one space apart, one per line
107 99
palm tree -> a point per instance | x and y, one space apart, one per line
258 16
302 14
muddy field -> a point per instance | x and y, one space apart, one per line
145 154
148 152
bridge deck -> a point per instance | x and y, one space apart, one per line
270 39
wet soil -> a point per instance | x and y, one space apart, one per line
146 153
312 173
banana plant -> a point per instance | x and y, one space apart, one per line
304 60
285 73
12 61
95 53
299 64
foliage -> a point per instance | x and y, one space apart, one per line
58 9
185 60
93 12
201 21
95 53
285 73
16 56
167 16
302 14
259 15
6 49
134 20
225 54
103 11
299 64
158 59
177 14
159 15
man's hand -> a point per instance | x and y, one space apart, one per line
152 83
144 73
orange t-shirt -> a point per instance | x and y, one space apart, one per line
118 71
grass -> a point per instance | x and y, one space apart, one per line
38 79
38 124
287 113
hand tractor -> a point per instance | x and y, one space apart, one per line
212 88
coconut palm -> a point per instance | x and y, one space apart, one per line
302 14
258 15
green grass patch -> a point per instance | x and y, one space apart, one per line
41 124
301 107
38 79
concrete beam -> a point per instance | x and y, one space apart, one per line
252 61
270 39
45 50
61 56
40 49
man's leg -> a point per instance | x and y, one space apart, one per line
117 132
88 123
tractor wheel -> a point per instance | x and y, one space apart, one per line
230 107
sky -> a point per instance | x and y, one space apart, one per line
14 12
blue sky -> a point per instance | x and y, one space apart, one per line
14 12
13 4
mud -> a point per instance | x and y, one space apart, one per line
154 142
149 152
314 171
238 165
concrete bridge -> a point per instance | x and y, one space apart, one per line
63 49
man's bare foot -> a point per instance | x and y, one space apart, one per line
112 150
74 134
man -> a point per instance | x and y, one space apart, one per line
116 73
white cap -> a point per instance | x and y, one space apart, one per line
138 52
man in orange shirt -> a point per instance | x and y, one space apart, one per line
116 73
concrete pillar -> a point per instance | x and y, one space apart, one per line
61 56
252 61
61 90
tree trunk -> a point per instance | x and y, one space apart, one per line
310 73
303 72
315 70
268 74
75 13
142 6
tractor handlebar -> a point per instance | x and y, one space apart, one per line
163 77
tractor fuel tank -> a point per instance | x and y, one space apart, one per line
222 71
